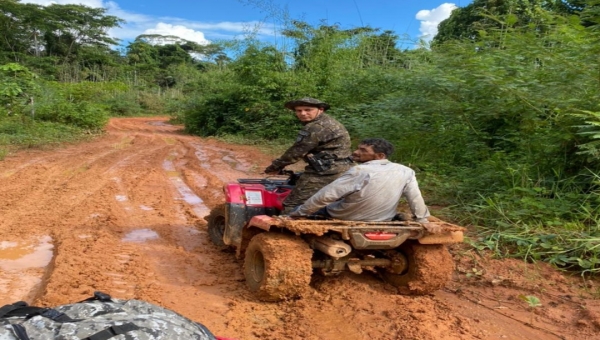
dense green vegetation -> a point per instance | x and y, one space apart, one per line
500 115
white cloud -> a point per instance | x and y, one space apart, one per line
178 31
90 3
137 24
129 17
430 19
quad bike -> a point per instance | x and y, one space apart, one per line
281 253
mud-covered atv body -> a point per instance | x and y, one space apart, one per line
244 199
281 253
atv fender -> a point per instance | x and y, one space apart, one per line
263 222
235 219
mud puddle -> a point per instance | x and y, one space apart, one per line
204 153
23 264
140 235
235 164
187 195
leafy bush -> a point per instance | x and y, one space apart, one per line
151 103
123 104
82 114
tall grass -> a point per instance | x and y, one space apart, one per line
560 226
16 134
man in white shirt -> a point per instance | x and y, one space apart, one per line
369 191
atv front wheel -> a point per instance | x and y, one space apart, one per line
429 268
277 266
216 225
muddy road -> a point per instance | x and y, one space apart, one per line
124 214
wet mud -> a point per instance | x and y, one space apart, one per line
124 214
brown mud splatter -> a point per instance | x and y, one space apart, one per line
119 218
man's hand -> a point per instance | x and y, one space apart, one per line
272 170
432 228
296 212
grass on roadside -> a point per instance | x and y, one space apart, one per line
560 227
17 134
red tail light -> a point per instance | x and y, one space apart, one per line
379 236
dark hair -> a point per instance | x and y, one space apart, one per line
379 145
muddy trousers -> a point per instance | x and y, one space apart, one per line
308 184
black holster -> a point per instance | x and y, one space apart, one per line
321 162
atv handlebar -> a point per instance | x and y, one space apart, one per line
288 173
290 181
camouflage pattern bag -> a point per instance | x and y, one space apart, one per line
98 318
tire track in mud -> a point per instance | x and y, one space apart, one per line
120 224
207 174
63 189
90 199
126 185
58 177
109 207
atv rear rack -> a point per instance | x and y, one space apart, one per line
450 233
284 221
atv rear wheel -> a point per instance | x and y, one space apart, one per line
216 225
277 266
429 268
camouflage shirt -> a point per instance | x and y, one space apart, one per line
323 134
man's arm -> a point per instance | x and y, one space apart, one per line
417 205
305 142
349 182
413 195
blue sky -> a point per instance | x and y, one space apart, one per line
203 21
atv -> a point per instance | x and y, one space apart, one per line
281 253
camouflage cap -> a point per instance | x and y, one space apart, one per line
306 101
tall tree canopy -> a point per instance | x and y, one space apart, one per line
465 22
55 30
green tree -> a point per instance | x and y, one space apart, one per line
72 26
466 22
142 54
379 49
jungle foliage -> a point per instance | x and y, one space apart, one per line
499 116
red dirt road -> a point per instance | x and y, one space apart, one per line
123 214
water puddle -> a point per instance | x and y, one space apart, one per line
24 255
196 203
140 235
202 157
229 158
22 266
158 123
234 163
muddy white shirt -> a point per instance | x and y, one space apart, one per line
369 192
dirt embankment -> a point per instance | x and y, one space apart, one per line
124 214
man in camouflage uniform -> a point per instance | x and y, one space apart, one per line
323 140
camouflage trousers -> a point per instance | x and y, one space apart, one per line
308 184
